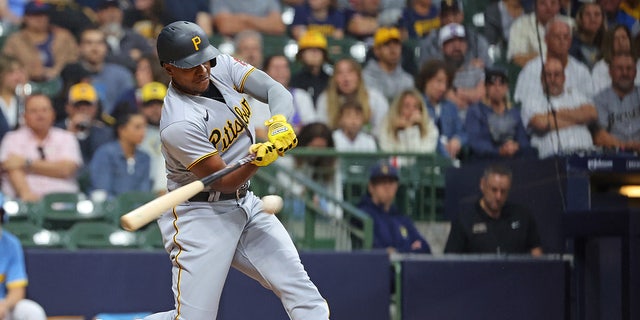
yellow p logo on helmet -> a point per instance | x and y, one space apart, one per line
196 42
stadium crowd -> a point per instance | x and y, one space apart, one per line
81 87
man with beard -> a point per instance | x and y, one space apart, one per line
619 106
468 70
451 12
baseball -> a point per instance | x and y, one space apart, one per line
272 203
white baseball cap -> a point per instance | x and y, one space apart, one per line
451 31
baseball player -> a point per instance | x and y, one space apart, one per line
205 125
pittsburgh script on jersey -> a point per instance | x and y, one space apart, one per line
222 138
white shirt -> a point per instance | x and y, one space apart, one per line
363 142
523 38
572 138
577 78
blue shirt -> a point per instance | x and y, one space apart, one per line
392 229
12 270
487 131
110 170
419 25
334 20
448 122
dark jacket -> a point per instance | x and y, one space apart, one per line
392 229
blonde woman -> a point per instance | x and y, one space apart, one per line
407 126
347 84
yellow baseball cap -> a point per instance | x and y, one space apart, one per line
384 35
82 92
153 91
312 39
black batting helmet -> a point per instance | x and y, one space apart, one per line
184 45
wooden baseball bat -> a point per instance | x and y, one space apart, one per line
152 210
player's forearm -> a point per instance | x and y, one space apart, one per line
234 180
265 89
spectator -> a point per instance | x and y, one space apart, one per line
152 95
433 81
495 225
619 106
451 12
82 120
364 19
312 55
558 119
527 32
12 78
44 49
495 129
304 111
232 16
198 11
38 158
109 79
392 230
349 135
148 69
319 15
320 169
419 18
385 73
13 286
147 17
622 12
577 75
468 89
120 166
248 47
125 46
498 18
345 84
408 126
587 40
616 40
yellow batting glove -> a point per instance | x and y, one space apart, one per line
281 134
265 153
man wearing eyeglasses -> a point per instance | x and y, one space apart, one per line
38 158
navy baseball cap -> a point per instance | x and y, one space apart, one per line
383 170
36 7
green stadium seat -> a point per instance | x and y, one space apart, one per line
62 210
126 202
32 235
99 235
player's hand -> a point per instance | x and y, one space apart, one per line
265 153
281 134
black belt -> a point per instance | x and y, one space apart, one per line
207 196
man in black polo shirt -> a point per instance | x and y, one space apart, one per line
495 225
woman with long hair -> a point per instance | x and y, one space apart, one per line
347 84
434 80
587 39
408 126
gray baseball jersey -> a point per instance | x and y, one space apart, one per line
620 117
205 238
